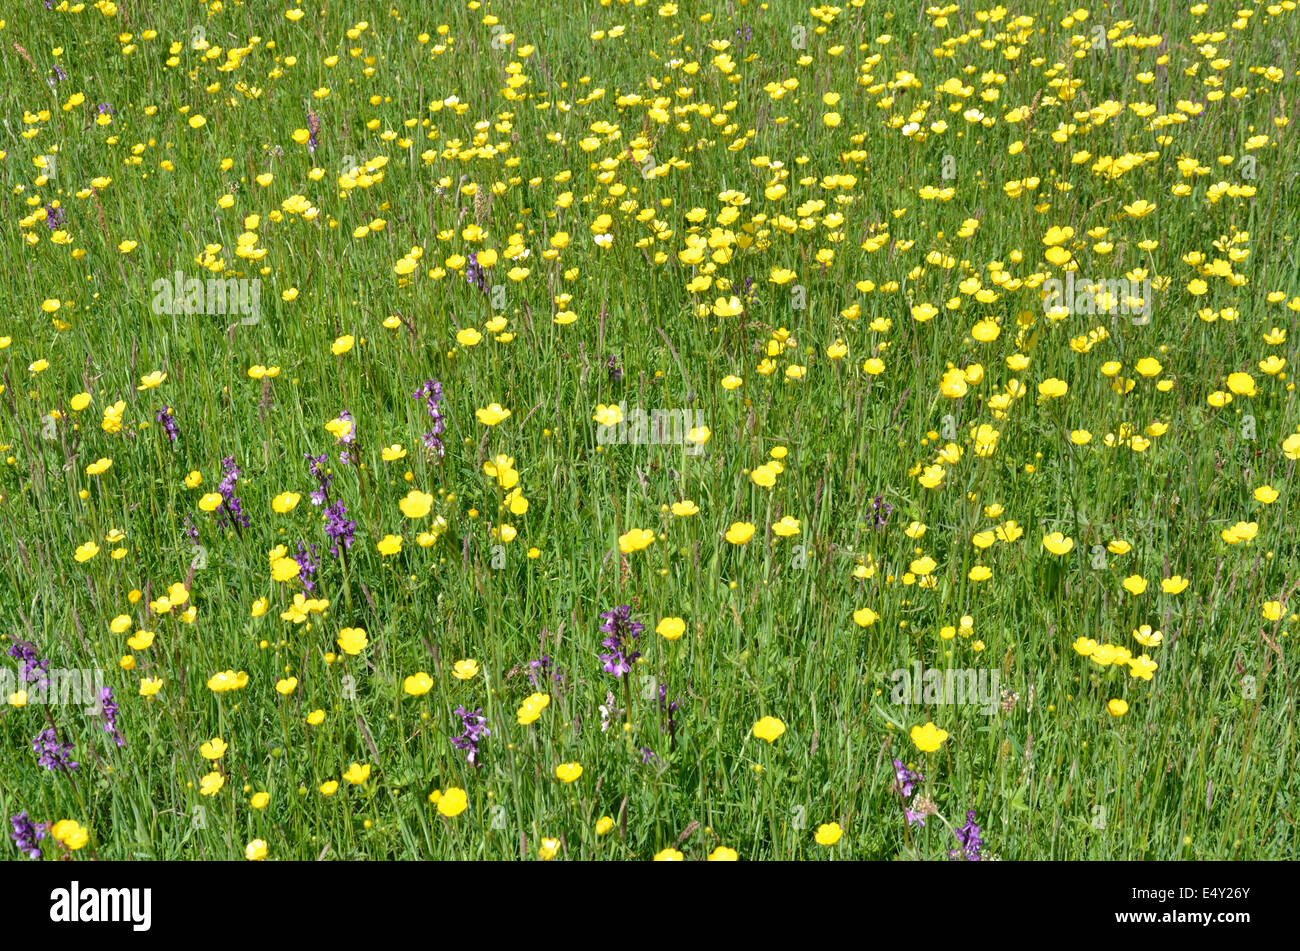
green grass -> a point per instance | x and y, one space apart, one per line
1201 766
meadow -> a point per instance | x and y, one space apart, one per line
648 430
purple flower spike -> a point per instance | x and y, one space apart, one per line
473 729
26 834
54 755
969 837
623 632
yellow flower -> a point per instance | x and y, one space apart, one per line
532 708
329 788
610 415
416 504
152 380
1266 494
685 508
635 539
928 738
339 427
1052 388
86 552
453 802
953 384
865 617
285 569
285 502
211 784
669 855
1117 707
723 854
465 669
342 345
492 414
1106 654
70 833
1135 584
1147 637
604 824
255 851
389 544
1243 384
1142 667
1240 532
727 308
671 628
286 686
739 533
828 833
568 772
213 749
1057 543
417 684
549 850
227 680
259 800
353 640
357 774
768 728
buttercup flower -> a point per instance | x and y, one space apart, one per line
828 833
768 728
928 738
